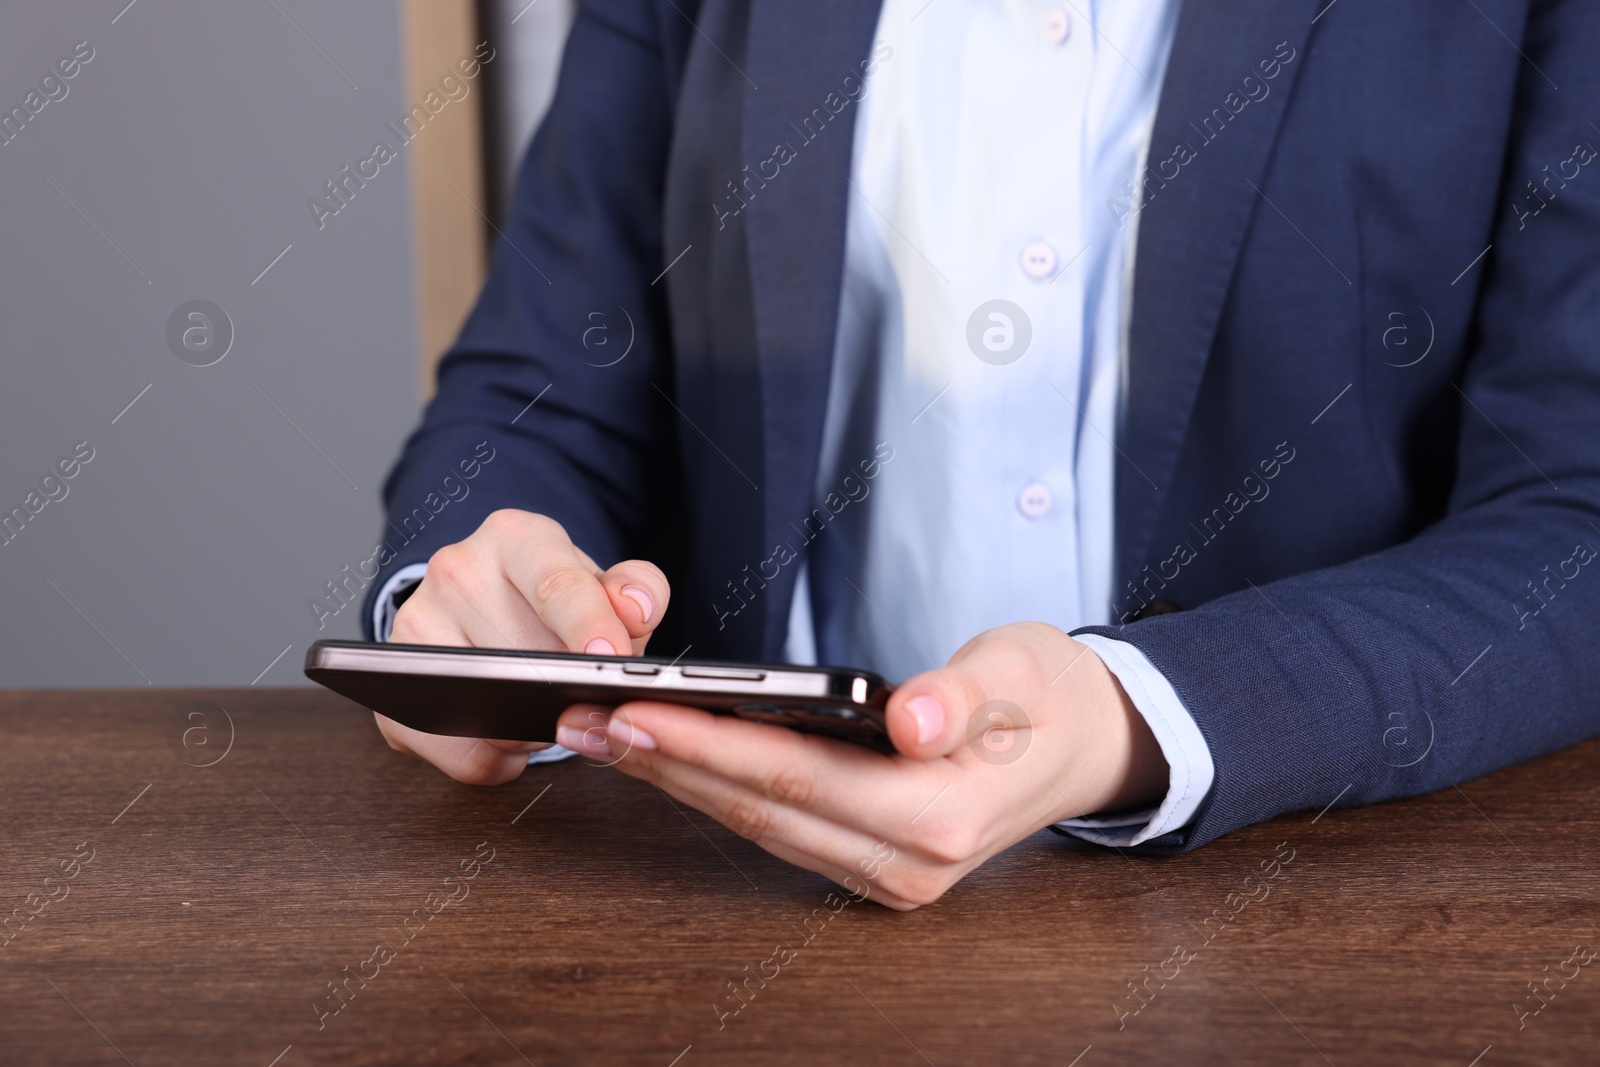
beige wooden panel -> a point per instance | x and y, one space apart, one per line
447 190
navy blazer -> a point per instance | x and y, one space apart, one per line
1361 447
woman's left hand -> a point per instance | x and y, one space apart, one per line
1023 728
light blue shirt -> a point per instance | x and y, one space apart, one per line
989 152
981 347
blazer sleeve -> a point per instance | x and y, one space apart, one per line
1476 644
537 380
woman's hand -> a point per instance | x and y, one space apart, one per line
1023 728
519 582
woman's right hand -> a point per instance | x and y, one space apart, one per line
519 582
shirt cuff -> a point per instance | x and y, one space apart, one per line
383 613
1187 754
385 607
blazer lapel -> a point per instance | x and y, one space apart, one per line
801 59
1192 226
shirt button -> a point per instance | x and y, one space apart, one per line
1057 26
1038 260
1034 500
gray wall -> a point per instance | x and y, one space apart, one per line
177 167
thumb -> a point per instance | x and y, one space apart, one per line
977 700
930 714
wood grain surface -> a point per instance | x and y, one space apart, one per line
248 850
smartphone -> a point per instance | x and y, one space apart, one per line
510 695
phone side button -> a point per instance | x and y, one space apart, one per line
732 674
640 668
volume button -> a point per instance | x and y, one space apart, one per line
640 668
731 674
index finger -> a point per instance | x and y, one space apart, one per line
565 589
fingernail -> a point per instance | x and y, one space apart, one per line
599 647
929 714
629 736
639 595
590 742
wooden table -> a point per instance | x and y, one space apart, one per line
207 866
